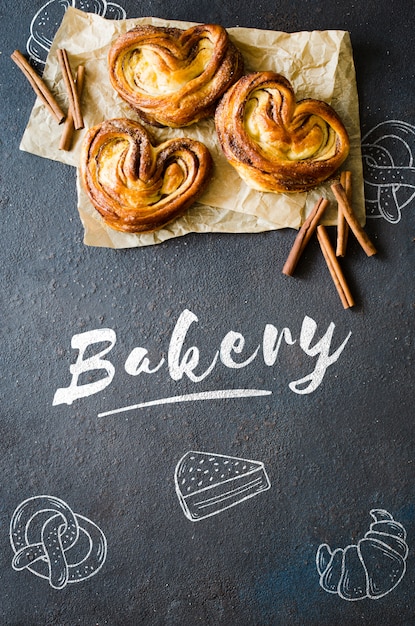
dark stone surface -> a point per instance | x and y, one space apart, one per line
331 456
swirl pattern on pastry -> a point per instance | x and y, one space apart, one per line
174 77
136 186
275 143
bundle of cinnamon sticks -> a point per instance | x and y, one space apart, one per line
346 222
73 120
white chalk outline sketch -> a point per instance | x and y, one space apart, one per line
47 20
44 533
369 569
389 171
207 483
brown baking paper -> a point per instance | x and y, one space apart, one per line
319 64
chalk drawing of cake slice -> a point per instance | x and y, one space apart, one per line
208 483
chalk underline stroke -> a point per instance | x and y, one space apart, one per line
219 394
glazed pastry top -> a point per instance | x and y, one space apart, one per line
174 77
275 143
137 186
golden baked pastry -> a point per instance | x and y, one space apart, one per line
136 186
275 143
174 77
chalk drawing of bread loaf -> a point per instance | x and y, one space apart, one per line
370 569
48 18
207 483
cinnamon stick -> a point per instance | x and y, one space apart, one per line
39 86
74 103
334 267
68 128
304 235
351 219
342 225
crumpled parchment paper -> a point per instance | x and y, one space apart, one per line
319 64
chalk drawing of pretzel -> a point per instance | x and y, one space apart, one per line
47 20
53 542
388 152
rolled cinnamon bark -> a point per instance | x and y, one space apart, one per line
38 86
342 225
334 267
74 103
351 219
304 235
68 128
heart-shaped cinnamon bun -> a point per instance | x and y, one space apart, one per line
275 143
174 77
136 186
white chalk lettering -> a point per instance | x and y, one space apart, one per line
321 348
184 359
234 342
271 342
138 362
81 342
190 360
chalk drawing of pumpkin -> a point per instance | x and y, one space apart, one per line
369 569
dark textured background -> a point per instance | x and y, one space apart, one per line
331 456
